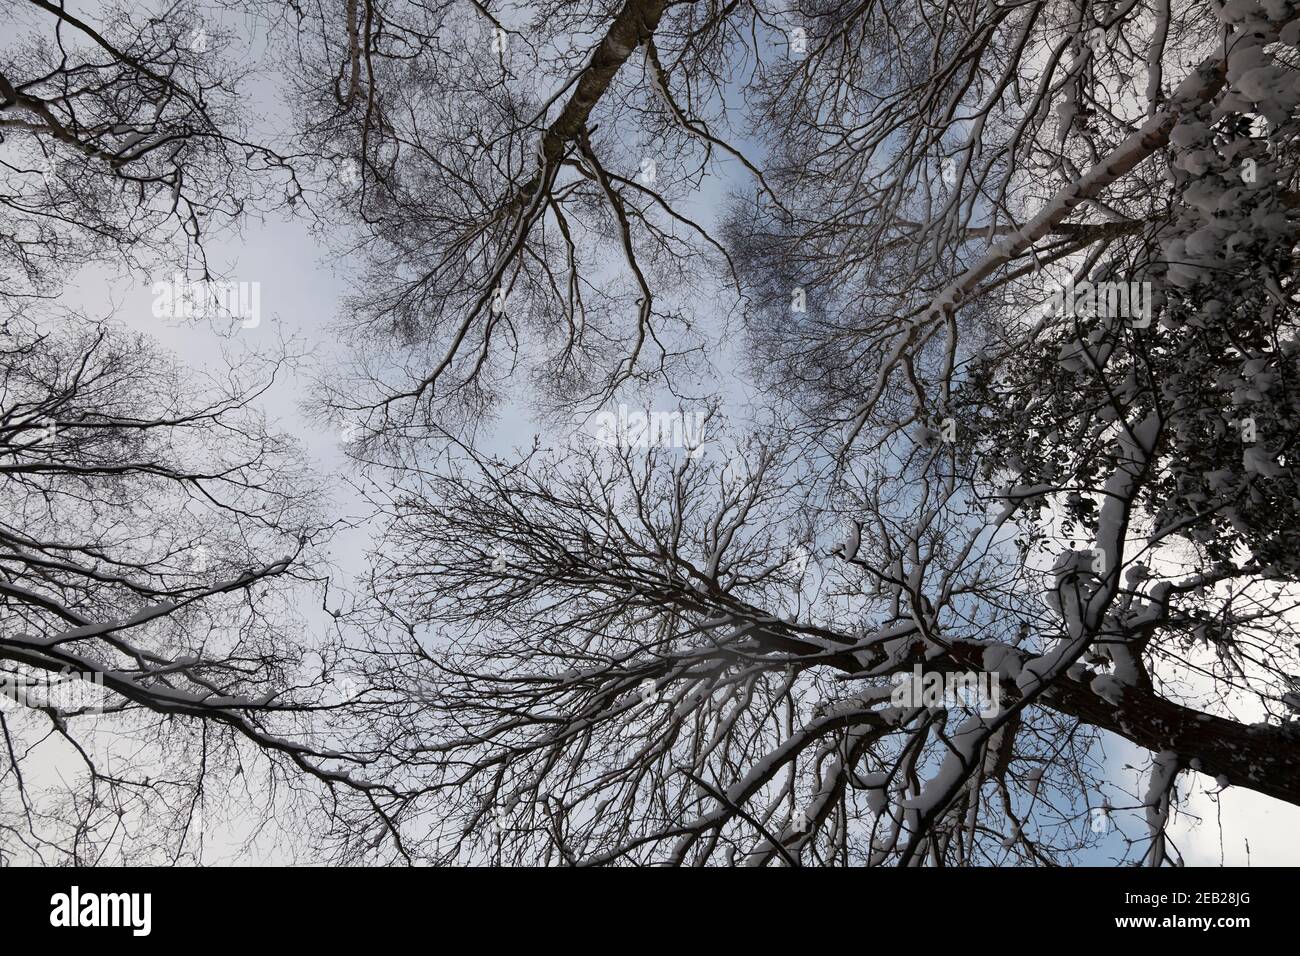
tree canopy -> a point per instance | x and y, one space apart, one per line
875 351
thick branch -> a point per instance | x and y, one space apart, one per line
1259 757
633 26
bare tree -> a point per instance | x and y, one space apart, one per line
1093 501
660 660
1016 285
519 179
123 140
160 544
153 561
